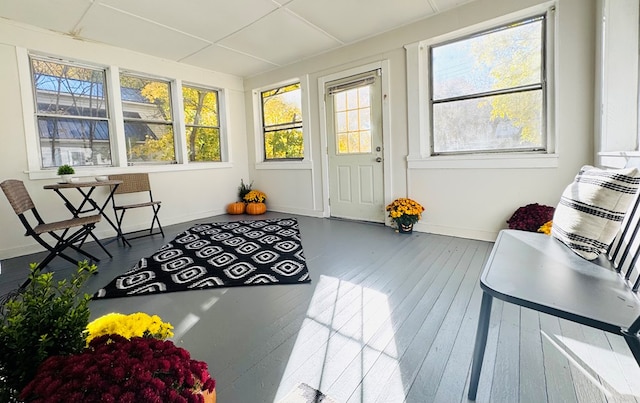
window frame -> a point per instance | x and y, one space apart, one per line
119 163
260 160
218 112
37 115
173 123
419 103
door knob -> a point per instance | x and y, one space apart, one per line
379 159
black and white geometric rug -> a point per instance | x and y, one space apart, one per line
226 254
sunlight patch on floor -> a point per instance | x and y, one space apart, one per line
346 331
613 372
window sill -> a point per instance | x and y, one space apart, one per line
301 165
84 172
619 159
484 161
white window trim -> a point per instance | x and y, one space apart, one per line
419 112
305 163
116 125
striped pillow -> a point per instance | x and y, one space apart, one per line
591 209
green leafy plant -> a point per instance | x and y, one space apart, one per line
243 189
66 170
41 319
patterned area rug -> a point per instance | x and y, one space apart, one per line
304 393
227 254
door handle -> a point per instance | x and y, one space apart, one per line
379 159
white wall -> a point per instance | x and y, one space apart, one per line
465 202
186 194
462 202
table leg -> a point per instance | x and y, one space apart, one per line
481 344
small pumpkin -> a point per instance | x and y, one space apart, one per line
256 208
236 208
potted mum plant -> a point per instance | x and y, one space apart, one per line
255 202
137 324
405 213
116 369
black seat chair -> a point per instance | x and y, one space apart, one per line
135 183
69 233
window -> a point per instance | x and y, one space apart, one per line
202 123
148 122
282 123
71 113
353 120
487 91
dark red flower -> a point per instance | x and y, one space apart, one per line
531 217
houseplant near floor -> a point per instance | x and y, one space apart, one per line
405 213
255 202
41 319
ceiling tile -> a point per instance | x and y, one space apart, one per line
351 20
107 25
280 38
207 19
45 14
217 58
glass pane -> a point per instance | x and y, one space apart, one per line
512 121
282 105
340 101
352 120
354 142
364 96
365 141
75 142
284 144
68 90
343 143
145 99
203 143
341 121
353 125
200 106
149 142
352 98
505 58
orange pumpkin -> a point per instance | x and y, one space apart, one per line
236 208
256 208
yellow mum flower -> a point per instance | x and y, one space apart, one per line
137 324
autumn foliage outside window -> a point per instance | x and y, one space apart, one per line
488 90
282 122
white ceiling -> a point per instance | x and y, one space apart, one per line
241 37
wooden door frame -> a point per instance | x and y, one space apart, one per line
383 65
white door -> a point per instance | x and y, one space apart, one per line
354 140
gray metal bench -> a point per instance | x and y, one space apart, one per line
537 271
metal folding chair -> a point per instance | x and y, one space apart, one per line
135 183
69 233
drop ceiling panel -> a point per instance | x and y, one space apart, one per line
350 20
217 58
281 38
45 14
104 24
208 19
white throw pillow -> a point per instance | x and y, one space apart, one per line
591 209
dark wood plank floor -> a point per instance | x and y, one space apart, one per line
386 318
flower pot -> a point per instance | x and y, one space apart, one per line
256 208
236 208
405 228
